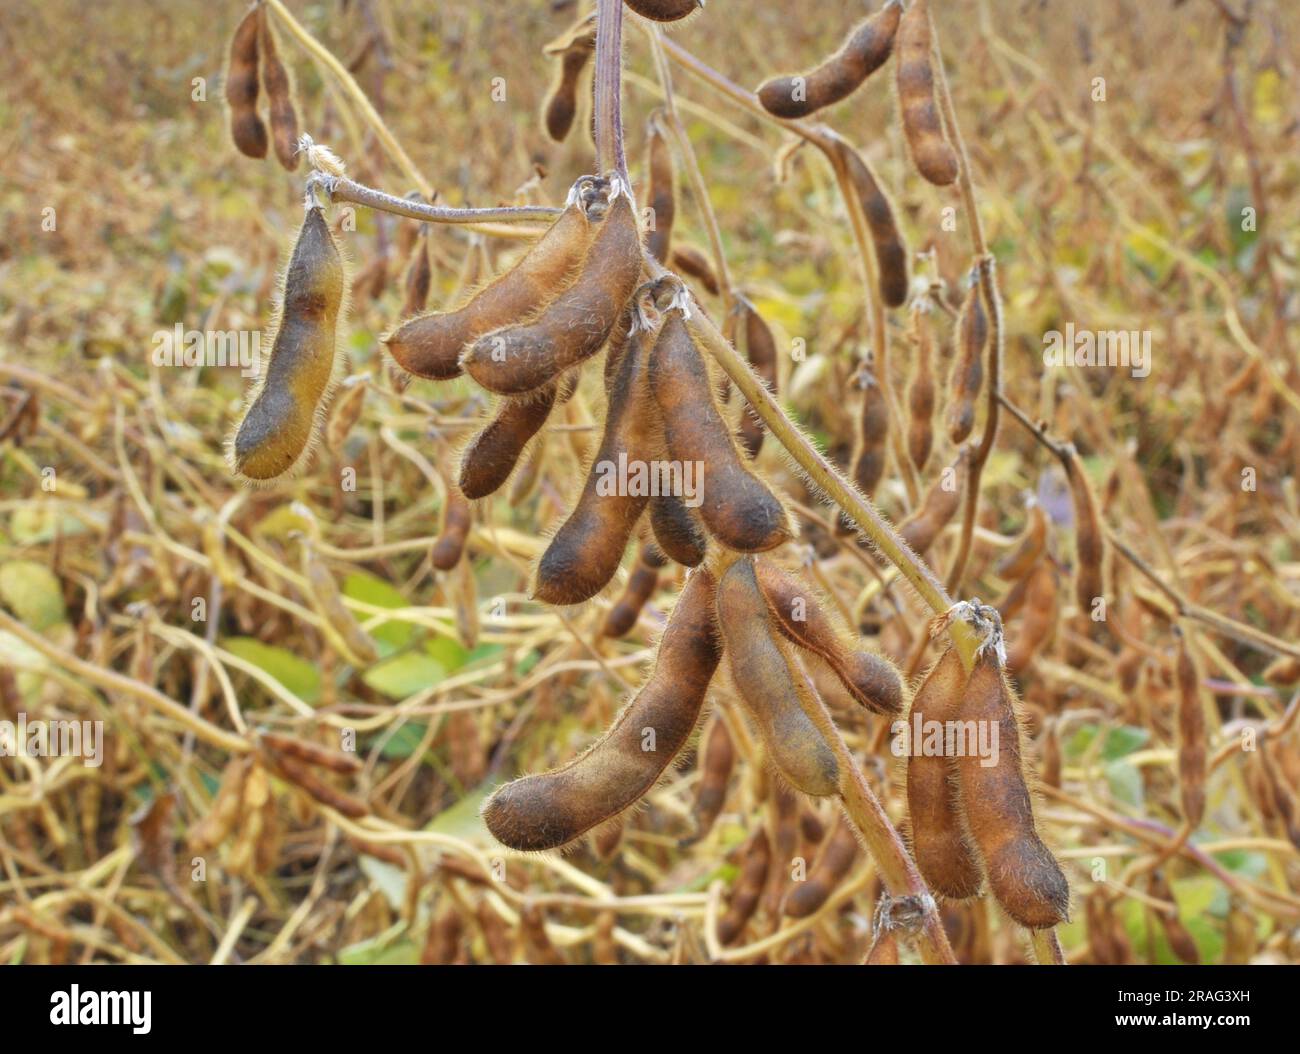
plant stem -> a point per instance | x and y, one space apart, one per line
609 88
343 189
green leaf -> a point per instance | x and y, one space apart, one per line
370 589
462 819
383 950
404 674
405 741
1124 740
451 654
297 675
1125 782
33 593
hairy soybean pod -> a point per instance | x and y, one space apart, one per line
783 812
659 169
920 393
1089 541
937 507
551 810
246 127
931 154
760 350
1191 734
863 52
664 10
691 261
574 326
339 625
755 860
1032 543
1180 940
311 753
872 681
717 758
676 530
967 365
832 865
887 242
1039 619
279 97
873 433
456 518
1023 875
620 618
491 455
585 552
419 275
562 103
938 841
737 508
430 345
282 418
773 689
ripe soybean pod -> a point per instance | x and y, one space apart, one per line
972 333
457 515
863 51
690 260
1039 621
551 810
419 275
933 156
491 455
1022 873
887 242
772 689
737 507
760 350
284 414
676 530
920 392
717 759
755 861
783 822
938 840
665 10
585 552
641 584
279 97
660 190
338 623
832 865
938 506
1191 733
575 324
561 104
241 86
871 448
430 345
1033 541
871 680
1090 549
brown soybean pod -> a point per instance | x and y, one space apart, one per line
1031 546
676 530
938 840
246 127
920 393
933 156
538 948
1191 734
717 758
585 552
1180 940
327 794
551 810
737 509
883 951
745 894
311 753
773 691
419 276
972 331
1023 875
664 10
1039 620
872 681
833 863
562 102
887 242
641 584
283 417
279 97
937 507
863 52
1089 542
492 454
783 811
574 326
457 516
660 191
873 433
691 261
429 345
760 350
340 626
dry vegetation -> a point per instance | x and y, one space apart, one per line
312 690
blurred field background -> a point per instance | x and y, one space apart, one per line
117 509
